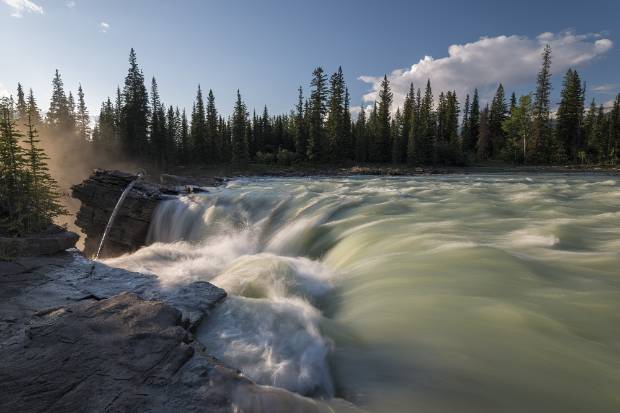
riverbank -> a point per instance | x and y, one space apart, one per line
206 173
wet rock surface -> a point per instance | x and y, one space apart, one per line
74 338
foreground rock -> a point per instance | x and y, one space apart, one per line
78 339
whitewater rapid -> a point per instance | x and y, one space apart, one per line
433 294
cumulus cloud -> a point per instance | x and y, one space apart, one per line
483 64
3 91
18 7
104 27
70 4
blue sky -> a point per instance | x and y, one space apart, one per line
268 48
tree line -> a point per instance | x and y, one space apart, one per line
425 130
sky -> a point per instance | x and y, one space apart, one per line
268 48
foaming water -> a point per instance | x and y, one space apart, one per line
432 294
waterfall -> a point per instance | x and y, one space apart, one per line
456 293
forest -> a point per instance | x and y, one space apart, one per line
136 126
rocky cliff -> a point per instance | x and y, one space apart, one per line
99 195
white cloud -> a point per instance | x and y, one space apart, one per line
104 27
70 4
3 91
20 6
607 88
511 60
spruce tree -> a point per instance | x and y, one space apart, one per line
82 116
134 114
335 117
58 114
474 123
361 140
301 135
43 192
541 132
213 141
13 189
157 127
239 145
199 129
33 109
380 149
465 127
570 115
184 143
427 128
484 144
497 116
316 117
21 106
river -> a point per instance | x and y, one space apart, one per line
456 293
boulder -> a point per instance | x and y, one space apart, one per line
55 239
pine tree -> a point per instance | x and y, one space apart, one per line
474 123
335 117
33 109
199 129
213 141
13 202
570 115
59 115
157 127
82 116
21 107
317 112
426 129
614 127
396 135
380 144
43 193
400 150
361 140
497 116
484 144
134 114
347 133
184 143
238 132
301 131
465 127
541 132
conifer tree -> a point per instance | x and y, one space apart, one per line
157 127
184 144
426 129
82 116
400 150
43 192
13 203
134 114
301 132
518 129
33 109
21 106
199 129
541 132
213 141
239 145
497 116
361 142
335 117
59 115
484 145
570 115
317 112
347 134
474 123
380 144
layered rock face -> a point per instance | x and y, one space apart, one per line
99 195
54 239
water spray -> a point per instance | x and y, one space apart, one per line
140 174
